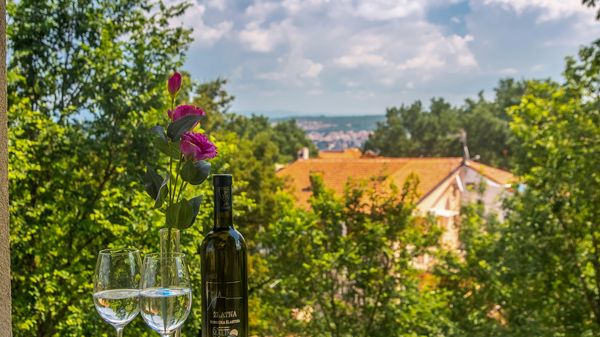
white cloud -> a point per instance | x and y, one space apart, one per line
422 62
210 35
279 52
458 46
261 40
549 9
296 6
293 68
217 4
352 84
202 34
509 71
537 68
260 10
312 69
430 51
365 50
388 9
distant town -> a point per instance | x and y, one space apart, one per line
337 132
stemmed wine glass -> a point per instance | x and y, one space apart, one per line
116 286
166 294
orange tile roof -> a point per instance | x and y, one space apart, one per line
497 175
347 153
337 171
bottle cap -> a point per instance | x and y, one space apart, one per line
222 180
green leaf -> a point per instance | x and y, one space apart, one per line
159 131
195 203
172 214
152 182
163 190
156 186
182 125
195 173
186 215
165 146
180 215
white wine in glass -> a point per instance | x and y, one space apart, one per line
166 294
116 286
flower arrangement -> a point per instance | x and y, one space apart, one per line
188 152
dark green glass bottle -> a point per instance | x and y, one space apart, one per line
224 270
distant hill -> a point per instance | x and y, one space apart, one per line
337 132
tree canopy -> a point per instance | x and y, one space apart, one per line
415 131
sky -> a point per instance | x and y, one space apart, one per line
357 57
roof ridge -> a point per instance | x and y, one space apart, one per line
382 158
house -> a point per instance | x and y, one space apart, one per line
445 184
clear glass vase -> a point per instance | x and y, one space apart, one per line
169 243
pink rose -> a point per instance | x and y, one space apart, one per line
174 83
185 110
197 146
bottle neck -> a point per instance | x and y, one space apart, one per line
223 213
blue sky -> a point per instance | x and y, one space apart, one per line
353 57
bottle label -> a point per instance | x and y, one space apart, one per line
224 198
224 308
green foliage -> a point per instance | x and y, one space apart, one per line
345 268
195 172
559 129
86 84
156 186
592 3
412 131
261 145
538 273
290 138
472 278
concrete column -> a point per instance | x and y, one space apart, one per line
5 321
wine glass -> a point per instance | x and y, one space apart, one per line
116 286
166 293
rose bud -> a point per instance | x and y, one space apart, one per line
174 83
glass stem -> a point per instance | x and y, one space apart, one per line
119 331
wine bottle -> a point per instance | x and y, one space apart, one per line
224 270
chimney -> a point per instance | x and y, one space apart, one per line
303 154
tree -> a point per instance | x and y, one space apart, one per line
472 276
85 77
558 127
591 3
538 273
291 138
345 267
412 131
